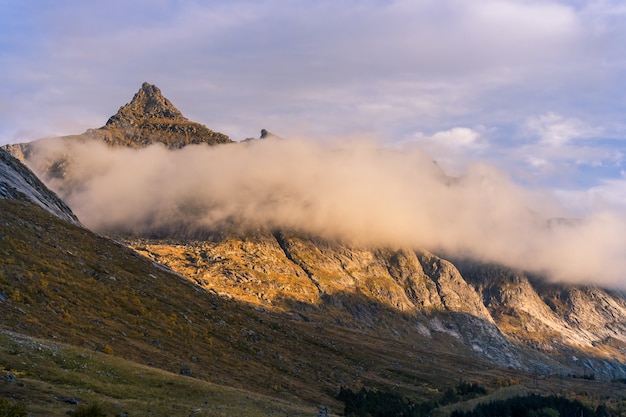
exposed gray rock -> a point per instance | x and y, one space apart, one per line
17 182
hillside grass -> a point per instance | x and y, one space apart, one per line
47 377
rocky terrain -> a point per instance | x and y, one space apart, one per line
18 182
502 315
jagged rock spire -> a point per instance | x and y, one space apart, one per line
151 118
148 103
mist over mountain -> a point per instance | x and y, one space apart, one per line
179 185
351 191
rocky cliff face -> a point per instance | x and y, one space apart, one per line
500 314
17 182
580 325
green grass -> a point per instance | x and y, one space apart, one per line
47 374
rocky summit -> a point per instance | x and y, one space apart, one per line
151 118
148 104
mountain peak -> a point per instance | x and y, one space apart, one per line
148 103
151 118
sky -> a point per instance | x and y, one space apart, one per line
534 88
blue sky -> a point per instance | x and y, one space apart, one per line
534 87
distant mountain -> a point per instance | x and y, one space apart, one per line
149 118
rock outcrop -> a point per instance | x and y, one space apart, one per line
151 118
17 182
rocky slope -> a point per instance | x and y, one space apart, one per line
562 320
18 182
500 314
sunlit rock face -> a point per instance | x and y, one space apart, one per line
151 118
499 313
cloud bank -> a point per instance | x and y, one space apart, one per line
352 191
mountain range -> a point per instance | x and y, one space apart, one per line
279 312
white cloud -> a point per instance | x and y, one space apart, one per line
555 130
458 136
610 193
453 149
352 191
557 146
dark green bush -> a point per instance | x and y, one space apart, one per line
530 406
93 410
11 409
381 404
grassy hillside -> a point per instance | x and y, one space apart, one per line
62 282
50 378
65 285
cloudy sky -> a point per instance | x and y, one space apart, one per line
534 87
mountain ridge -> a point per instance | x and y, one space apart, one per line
309 276
311 313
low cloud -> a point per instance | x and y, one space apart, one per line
351 191
608 193
452 148
555 130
